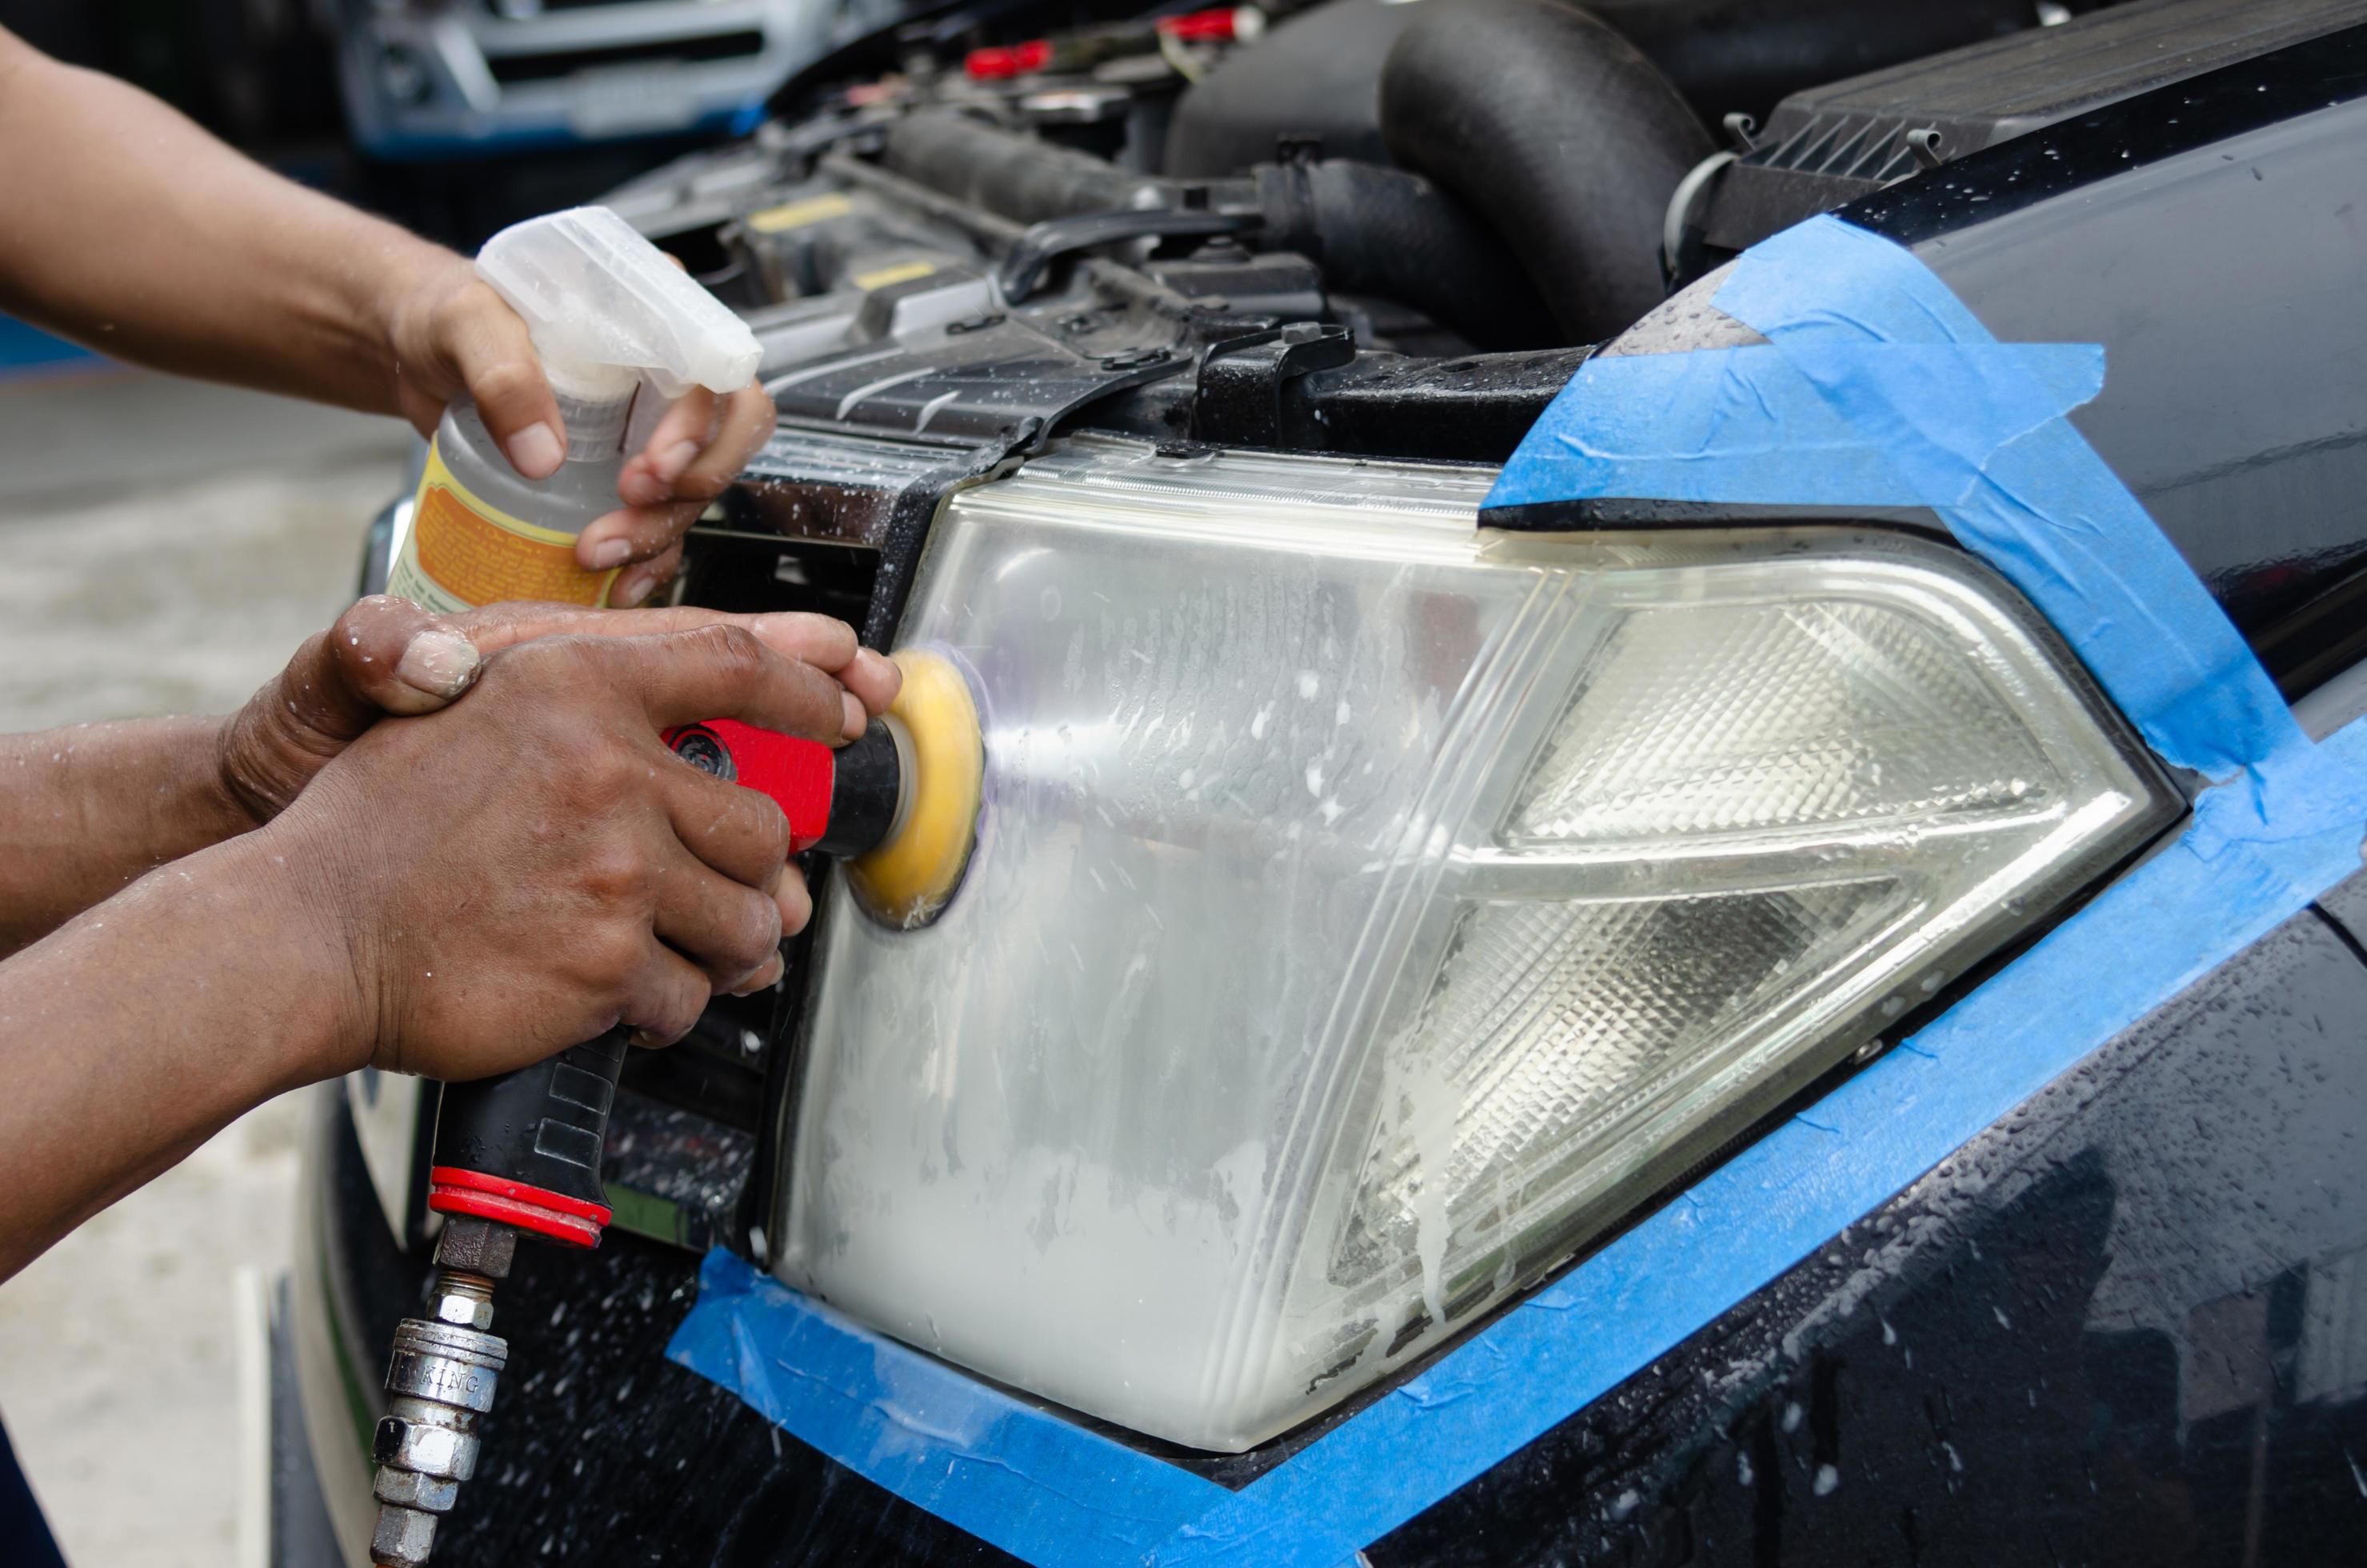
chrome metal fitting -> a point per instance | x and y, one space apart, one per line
426 1440
441 1377
403 1538
409 1489
464 1309
446 1364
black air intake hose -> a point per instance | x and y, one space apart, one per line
1384 232
1560 132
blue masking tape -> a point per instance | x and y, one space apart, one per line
1747 425
1899 397
1042 1488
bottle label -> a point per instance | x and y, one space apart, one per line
462 552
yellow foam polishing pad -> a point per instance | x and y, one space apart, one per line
909 876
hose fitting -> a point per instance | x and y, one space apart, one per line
440 1379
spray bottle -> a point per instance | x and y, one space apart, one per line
621 332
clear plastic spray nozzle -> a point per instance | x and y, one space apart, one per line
609 313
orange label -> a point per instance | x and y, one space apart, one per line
477 560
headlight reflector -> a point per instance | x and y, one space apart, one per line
1368 909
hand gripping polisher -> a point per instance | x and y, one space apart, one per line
519 1154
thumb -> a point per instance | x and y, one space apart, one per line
436 665
384 655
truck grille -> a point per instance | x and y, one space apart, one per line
512 68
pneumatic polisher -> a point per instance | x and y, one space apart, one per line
519 1154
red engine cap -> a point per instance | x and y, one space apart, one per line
996 65
1203 26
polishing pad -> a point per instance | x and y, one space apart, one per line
907 879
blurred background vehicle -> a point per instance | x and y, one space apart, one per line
607 86
423 79
456 116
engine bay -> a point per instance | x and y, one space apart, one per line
1355 227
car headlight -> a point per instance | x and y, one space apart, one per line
1368 908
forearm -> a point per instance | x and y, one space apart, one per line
133 230
134 1032
84 812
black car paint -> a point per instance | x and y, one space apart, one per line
2092 1335
2212 236
600 1452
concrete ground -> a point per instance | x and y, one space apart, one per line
164 546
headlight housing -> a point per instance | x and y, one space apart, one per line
1367 908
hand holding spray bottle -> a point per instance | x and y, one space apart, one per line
621 332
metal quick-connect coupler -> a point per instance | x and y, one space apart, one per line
440 1379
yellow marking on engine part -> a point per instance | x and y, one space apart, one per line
799 214
907 879
902 272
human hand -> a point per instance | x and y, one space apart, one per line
695 453
387 655
451 333
533 867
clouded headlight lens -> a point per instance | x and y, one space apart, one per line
1368 909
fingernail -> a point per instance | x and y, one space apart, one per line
674 458
642 488
631 587
439 662
765 976
857 721
535 451
610 552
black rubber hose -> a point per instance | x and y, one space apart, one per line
1021 177
1373 229
1384 231
1317 74
1566 139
